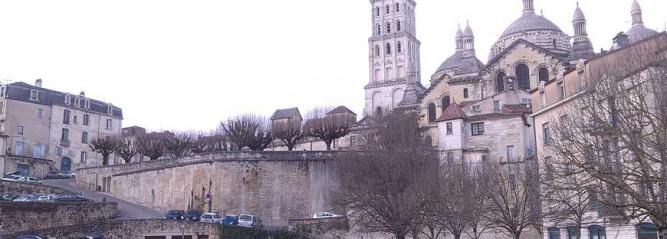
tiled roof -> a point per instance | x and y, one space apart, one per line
452 112
21 91
518 108
286 113
341 110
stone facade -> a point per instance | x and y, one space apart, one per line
24 216
276 186
27 166
29 188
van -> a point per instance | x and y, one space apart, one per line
247 220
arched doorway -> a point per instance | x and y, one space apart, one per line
66 165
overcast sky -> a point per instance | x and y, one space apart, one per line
187 64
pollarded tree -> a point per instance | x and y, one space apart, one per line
387 185
127 149
329 124
178 145
240 130
152 145
104 146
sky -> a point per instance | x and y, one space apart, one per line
189 64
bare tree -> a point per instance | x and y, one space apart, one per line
104 146
386 186
240 130
152 145
510 197
328 125
214 141
261 137
614 134
288 132
178 145
127 149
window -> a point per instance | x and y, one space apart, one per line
77 101
477 129
378 30
546 134
543 74
86 119
596 232
450 129
511 153
431 112
398 7
572 232
387 9
84 137
476 108
110 109
20 147
376 51
399 47
59 151
19 130
496 106
387 49
38 151
75 119
84 156
543 100
554 42
3 91
450 158
523 76
388 27
647 231
40 113
554 233
398 26
465 93
66 115
65 135
500 82
34 95
561 91
445 102
377 11
109 124
68 99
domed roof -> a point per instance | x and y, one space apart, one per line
530 21
459 65
635 6
468 31
578 14
639 32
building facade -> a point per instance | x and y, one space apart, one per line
46 124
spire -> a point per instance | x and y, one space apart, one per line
636 14
528 6
468 41
459 39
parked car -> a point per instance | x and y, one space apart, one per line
230 220
45 198
8 197
247 220
28 179
68 174
325 215
211 217
70 198
174 214
192 215
27 198
54 176
12 178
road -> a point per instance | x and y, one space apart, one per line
126 210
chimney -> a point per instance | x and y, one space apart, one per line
38 83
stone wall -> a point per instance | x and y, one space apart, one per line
23 216
131 229
322 228
273 185
29 188
36 167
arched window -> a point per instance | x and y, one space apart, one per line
376 51
431 112
398 7
465 93
387 49
445 102
399 48
647 231
388 27
378 111
500 82
523 76
543 74
398 26
596 232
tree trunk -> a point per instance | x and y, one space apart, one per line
516 235
105 160
457 236
400 235
328 143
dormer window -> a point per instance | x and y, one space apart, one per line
34 95
68 99
86 103
77 102
110 109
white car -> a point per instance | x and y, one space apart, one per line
247 220
12 178
325 215
211 217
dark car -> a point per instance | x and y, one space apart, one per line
70 198
8 197
230 220
174 214
28 237
192 215
54 176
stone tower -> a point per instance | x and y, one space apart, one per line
394 67
582 48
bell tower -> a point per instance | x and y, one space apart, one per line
393 55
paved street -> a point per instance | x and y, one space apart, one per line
126 210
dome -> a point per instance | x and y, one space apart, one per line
468 31
639 32
530 22
578 14
457 64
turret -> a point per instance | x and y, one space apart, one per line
528 6
459 39
468 42
636 14
582 48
